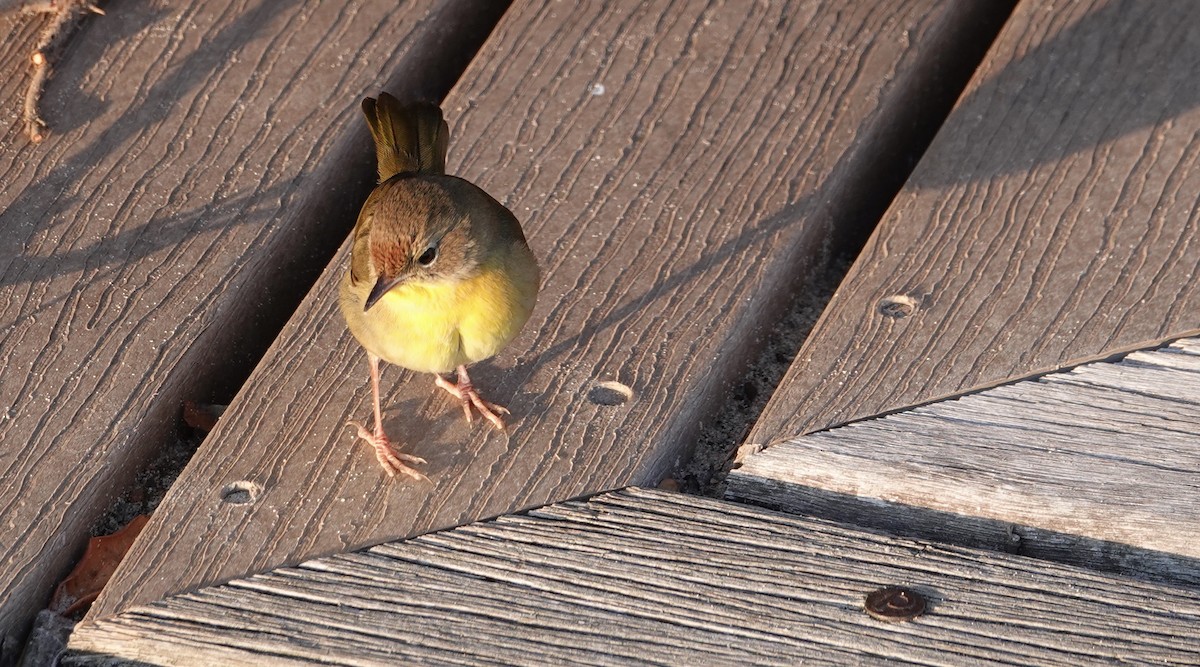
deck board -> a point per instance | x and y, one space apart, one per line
1097 466
1053 221
647 577
678 165
204 160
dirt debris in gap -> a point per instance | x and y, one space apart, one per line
704 473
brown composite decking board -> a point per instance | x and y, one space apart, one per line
677 164
1097 466
200 155
1052 221
653 578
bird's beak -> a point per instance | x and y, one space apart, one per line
382 286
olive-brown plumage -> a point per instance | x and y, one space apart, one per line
440 274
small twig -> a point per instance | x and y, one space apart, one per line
66 14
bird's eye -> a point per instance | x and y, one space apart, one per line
428 256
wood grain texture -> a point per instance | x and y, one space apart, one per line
651 578
204 161
1098 466
677 165
1053 221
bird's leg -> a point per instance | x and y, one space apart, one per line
391 460
464 391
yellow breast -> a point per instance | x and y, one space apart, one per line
434 327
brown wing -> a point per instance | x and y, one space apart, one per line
360 245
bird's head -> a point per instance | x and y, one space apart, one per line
419 234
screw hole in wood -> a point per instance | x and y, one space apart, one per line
610 393
897 306
240 493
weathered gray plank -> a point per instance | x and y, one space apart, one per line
204 160
1098 466
647 577
676 164
1053 221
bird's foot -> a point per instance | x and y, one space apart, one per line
464 391
391 460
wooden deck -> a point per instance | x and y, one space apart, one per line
1096 466
202 166
680 167
645 577
1053 221
660 270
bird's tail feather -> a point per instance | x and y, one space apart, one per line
409 137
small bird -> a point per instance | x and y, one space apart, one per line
440 273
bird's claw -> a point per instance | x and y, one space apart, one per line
393 462
465 392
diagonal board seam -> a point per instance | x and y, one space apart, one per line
1108 356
